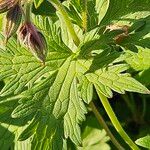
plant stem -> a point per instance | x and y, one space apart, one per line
115 121
104 125
65 16
27 14
84 15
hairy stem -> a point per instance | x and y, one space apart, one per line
104 125
115 122
65 16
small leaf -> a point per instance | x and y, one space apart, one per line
144 142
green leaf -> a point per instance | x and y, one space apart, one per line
49 100
89 40
48 94
1 20
94 139
74 115
117 81
22 77
9 127
144 77
29 130
111 77
16 58
47 131
59 92
144 142
86 90
53 34
37 3
44 9
7 137
23 145
95 42
126 10
138 35
96 10
48 134
32 100
101 8
76 19
139 61
51 97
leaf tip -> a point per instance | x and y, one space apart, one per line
148 92
13 115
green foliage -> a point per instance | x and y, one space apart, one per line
42 106
126 10
144 142
37 3
94 139
44 9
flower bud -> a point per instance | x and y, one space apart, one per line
13 20
5 5
34 40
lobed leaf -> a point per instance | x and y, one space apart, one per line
74 116
50 98
24 69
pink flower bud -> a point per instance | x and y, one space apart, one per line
34 40
13 20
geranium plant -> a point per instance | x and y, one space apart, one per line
57 59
